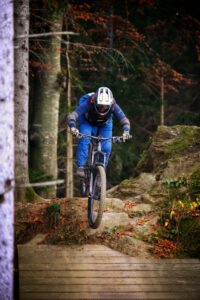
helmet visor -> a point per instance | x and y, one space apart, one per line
102 108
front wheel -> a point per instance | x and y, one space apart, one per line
97 198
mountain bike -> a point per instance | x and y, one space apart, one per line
93 185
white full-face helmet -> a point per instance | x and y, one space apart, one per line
103 100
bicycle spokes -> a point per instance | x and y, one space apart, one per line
97 197
97 187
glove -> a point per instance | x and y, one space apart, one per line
74 131
126 136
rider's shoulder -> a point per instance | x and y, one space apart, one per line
90 94
85 99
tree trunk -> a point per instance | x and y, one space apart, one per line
45 120
162 112
21 98
69 162
6 149
69 139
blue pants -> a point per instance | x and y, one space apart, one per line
83 144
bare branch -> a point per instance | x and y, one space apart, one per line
46 34
46 183
105 50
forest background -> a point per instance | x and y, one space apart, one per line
147 52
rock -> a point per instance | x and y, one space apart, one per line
142 207
167 143
114 203
147 227
133 247
172 152
135 186
180 166
110 220
143 198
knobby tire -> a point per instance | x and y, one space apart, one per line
95 217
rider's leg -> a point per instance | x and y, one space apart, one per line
83 144
106 131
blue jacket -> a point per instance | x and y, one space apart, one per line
86 109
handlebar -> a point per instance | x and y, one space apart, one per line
115 139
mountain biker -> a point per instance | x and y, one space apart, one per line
94 116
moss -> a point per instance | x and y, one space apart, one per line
188 137
31 195
194 182
127 182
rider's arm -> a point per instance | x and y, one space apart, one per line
80 110
124 121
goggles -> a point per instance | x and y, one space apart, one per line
102 108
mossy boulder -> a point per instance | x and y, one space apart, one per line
135 186
169 143
172 152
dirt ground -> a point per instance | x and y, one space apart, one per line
63 221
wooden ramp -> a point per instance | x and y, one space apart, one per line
97 272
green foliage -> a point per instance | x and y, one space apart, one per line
194 183
180 219
188 137
175 183
52 214
189 236
52 209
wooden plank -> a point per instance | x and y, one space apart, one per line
97 272
108 266
42 288
98 260
65 250
27 277
109 296
104 257
113 266
64 254
70 249
101 254
87 250
42 271
90 259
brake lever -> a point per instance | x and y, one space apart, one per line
80 136
117 139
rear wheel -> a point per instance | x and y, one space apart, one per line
97 198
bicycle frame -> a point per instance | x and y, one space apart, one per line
94 184
96 153
96 143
